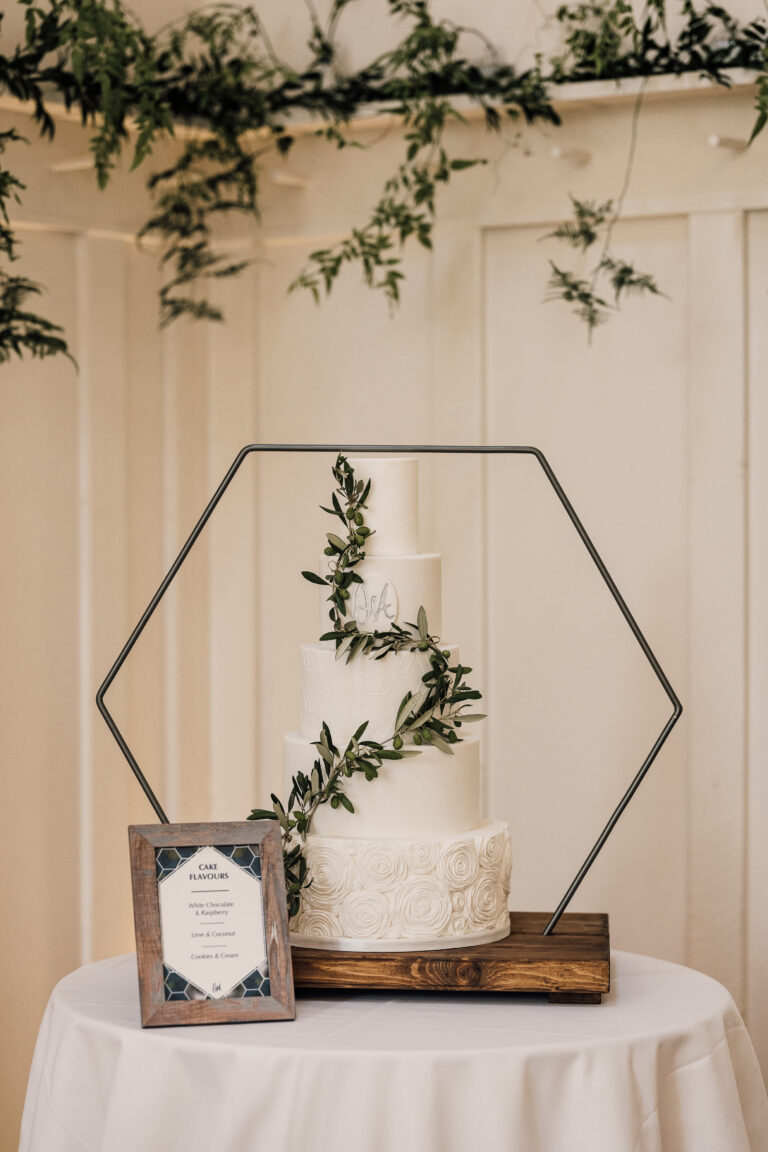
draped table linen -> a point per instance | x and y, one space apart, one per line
664 1064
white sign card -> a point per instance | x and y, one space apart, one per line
212 923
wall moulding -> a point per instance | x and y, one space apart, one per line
687 86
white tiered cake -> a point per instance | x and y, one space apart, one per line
414 866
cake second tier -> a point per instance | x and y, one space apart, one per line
344 695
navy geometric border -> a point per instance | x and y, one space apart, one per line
246 856
167 860
398 449
177 987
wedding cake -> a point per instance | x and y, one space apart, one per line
405 861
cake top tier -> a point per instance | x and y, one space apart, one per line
393 504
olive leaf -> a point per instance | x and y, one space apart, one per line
314 578
421 623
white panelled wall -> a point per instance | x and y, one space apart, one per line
656 431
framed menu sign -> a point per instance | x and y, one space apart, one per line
211 923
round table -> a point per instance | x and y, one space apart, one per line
664 1064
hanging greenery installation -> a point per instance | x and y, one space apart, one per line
218 71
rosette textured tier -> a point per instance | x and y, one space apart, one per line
414 866
398 895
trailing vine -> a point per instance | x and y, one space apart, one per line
432 716
218 71
605 39
591 223
20 329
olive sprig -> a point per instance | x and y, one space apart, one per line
323 785
345 554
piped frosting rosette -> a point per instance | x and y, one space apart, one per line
380 865
319 922
425 906
423 856
486 901
331 874
366 914
458 864
491 849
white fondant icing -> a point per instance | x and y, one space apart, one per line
426 795
345 694
393 504
416 580
389 902
459 936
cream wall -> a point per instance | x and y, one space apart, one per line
655 431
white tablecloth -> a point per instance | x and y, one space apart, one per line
664 1064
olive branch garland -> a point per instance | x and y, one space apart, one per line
432 715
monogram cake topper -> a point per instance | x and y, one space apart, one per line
375 603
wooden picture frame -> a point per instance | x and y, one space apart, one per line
211 923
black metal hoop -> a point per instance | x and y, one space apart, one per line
455 449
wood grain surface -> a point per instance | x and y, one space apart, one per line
572 964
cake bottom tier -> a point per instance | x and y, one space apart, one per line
406 895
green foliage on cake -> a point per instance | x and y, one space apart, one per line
434 715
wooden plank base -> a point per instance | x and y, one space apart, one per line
572 964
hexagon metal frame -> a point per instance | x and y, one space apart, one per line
400 449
